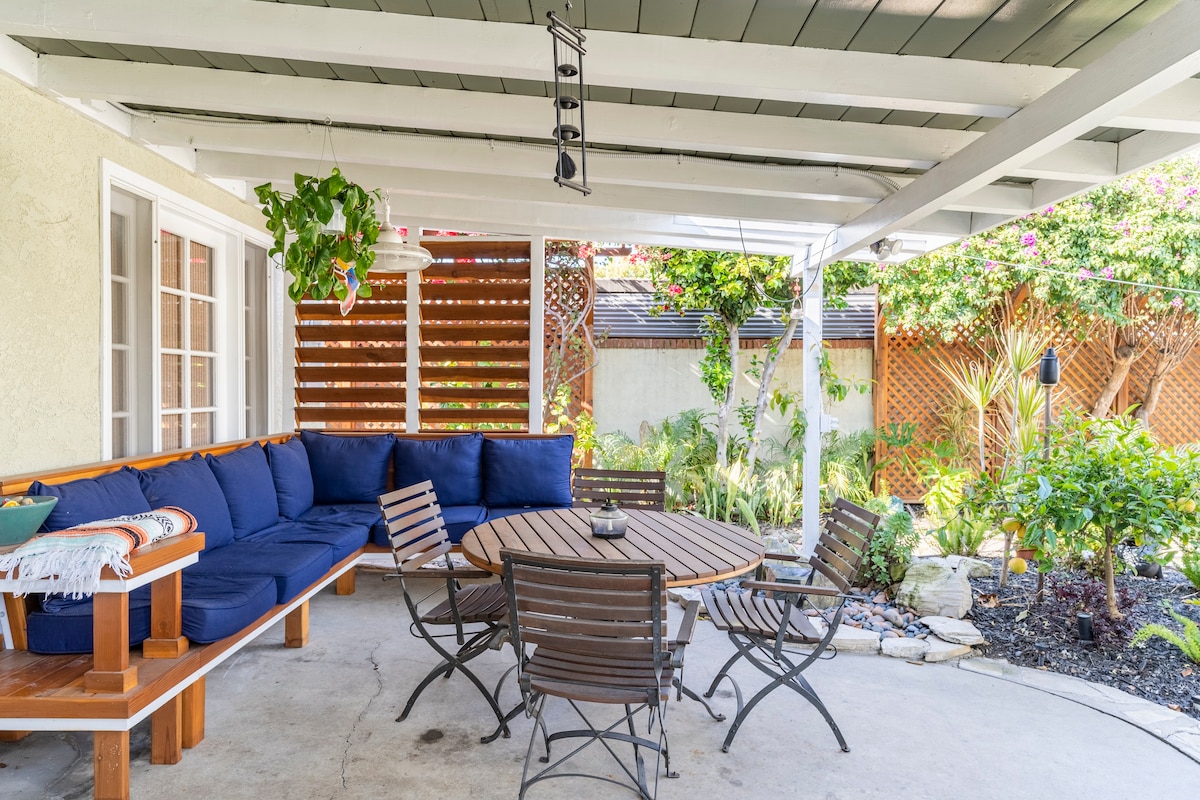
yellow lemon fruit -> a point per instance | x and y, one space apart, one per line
1017 566
1010 524
1188 505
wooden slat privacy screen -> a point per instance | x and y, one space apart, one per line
473 354
350 371
475 335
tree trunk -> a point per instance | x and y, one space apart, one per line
1110 584
1123 356
764 387
1154 387
727 406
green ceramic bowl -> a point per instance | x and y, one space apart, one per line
19 523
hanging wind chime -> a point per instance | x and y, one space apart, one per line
568 102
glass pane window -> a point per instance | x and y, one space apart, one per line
200 268
120 386
201 324
172 381
171 258
171 321
202 382
202 429
172 431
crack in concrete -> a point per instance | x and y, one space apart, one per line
81 791
358 720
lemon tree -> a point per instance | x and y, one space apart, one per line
1106 480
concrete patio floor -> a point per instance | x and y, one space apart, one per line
319 724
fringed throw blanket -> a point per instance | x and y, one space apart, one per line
73 558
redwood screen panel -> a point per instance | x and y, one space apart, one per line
350 371
475 336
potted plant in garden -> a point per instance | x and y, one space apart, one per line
323 259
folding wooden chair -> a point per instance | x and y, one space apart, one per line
418 536
760 626
629 488
597 632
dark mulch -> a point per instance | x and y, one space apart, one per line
1157 672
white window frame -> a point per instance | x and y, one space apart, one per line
170 207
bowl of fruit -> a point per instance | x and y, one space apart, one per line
20 517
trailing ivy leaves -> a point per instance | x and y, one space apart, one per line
312 254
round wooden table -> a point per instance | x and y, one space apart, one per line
694 549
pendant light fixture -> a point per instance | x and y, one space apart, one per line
392 253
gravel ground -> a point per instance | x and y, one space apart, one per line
1013 623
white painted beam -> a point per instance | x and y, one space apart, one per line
487 157
1150 61
508 115
520 51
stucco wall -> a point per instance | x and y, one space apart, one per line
632 386
50 326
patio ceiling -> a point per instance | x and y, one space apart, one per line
786 124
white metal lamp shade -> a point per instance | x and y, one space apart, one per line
393 254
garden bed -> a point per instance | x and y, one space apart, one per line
1016 624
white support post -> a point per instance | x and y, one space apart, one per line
537 335
412 325
812 303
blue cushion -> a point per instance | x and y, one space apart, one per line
346 538
348 469
527 472
216 606
249 489
294 567
365 514
191 486
65 626
454 464
292 476
89 499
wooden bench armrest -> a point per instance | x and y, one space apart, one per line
784 557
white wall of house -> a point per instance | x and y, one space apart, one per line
632 386
51 261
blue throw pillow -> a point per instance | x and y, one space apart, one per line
454 464
292 476
527 472
249 489
348 469
192 486
90 499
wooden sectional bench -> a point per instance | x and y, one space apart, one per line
113 688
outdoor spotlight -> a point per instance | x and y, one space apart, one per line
568 102
885 247
1084 622
1048 370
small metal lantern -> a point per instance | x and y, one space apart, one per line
609 522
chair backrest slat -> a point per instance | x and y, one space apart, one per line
586 606
843 543
638 489
415 526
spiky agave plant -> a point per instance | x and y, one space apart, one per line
980 385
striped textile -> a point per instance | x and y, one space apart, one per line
72 559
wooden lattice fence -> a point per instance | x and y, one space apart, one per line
911 388
569 347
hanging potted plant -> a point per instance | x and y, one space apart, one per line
321 259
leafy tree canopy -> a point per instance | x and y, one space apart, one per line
1081 255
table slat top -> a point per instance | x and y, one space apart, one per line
694 549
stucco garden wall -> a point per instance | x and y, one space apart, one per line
632 386
50 227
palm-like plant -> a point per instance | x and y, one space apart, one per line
979 385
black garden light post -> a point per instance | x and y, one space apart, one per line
1048 372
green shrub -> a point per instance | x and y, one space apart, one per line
1188 642
1191 567
961 536
891 548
